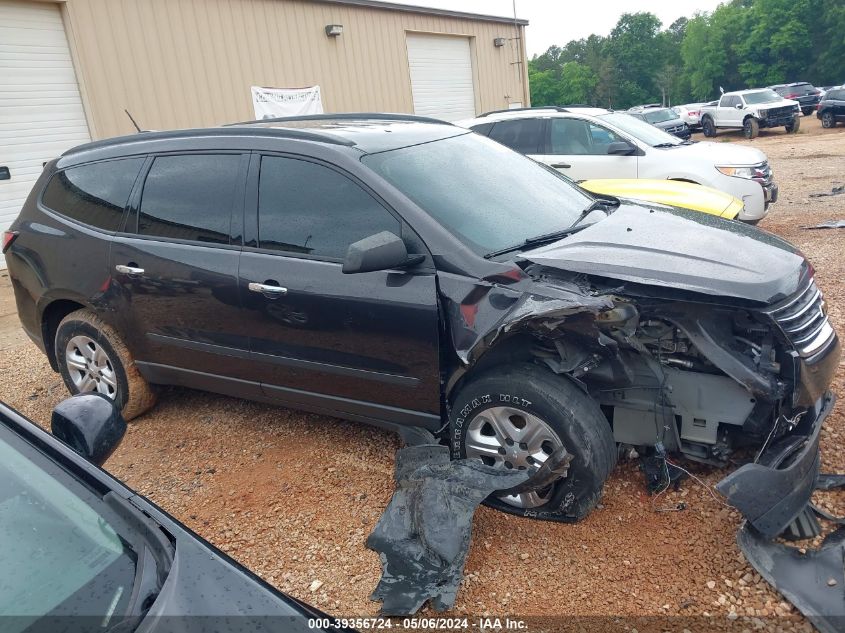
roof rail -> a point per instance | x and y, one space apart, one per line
347 116
555 108
292 133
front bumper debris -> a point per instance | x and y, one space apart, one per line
772 496
423 536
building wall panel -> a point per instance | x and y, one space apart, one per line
187 63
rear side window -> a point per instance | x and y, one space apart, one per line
94 194
835 94
522 135
190 197
311 209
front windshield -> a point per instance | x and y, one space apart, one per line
59 556
485 194
639 129
761 96
659 116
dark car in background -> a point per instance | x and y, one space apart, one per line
803 92
79 551
831 109
664 118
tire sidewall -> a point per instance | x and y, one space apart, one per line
73 327
707 128
827 120
574 496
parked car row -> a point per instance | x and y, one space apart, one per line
593 143
664 118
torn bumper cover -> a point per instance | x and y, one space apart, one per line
423 536
772 496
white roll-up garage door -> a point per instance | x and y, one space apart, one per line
41 112
441 76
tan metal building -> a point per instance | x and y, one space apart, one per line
69 68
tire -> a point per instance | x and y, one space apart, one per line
828 120
92 356
751 128
752 222
520 395
707 127
806 111
793 127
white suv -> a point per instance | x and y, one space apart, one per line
589 143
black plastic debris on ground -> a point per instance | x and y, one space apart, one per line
833 192
830 224
813 580
424 534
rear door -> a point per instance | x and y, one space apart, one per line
175 266
578 148
839 104
364 344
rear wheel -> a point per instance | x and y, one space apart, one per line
828 120
751 128
806 111
515 418
708 128
92 357
794 126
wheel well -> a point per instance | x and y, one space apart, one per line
517 348
749 116
50 319
692 182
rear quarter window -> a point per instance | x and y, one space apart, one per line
94 194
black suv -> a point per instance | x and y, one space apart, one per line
664 118
403 271
803 92
831 109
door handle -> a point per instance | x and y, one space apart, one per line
561 165
270 289
132 270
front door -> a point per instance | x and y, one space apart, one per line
363 345
578 148
175 267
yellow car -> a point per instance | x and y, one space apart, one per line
672 192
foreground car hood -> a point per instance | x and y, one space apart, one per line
672 192
722 153
679 249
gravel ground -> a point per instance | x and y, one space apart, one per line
293 496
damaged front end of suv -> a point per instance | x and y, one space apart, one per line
721 359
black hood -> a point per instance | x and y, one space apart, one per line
686 250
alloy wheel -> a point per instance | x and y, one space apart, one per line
511 439
90 367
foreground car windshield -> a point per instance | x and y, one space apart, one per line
639 129
658 116
762 96
487 195
59 552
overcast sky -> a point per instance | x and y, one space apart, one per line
559 21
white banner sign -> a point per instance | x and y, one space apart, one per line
278 102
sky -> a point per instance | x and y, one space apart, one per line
559 21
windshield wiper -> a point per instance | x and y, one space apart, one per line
554 236
666 145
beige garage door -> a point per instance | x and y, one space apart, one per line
41 112
441 76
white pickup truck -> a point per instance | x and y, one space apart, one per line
750 111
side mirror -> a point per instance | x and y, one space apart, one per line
739 106
90 424
381 251
621 148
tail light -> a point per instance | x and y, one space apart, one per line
792 95
8 238
694 112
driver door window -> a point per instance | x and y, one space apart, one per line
578 148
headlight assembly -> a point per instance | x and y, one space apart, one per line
737 172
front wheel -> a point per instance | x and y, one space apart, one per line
93 357
794 126
708 128
515 418
751 128
828 121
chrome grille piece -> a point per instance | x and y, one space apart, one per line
803 320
